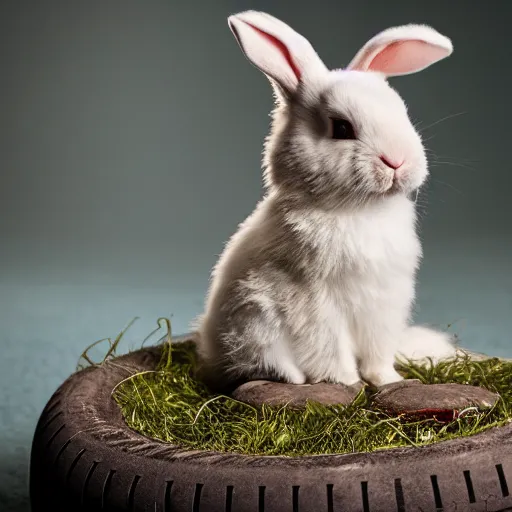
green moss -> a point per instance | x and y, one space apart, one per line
170 405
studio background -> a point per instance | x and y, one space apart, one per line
130 144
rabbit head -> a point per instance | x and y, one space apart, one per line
339 136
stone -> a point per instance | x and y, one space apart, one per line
443 401
295 396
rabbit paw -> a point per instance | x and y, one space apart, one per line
379 376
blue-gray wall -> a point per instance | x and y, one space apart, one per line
130 142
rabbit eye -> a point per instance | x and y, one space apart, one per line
342 129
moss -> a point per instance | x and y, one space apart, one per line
170 405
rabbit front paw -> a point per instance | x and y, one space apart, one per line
380 376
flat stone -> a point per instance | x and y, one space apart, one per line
260 392
444 401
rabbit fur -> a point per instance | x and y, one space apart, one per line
318 283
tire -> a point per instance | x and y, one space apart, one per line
85 458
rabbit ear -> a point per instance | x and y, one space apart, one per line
275 48
402 50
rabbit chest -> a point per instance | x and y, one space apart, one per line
361 261
374 242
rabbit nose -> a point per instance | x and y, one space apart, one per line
391 163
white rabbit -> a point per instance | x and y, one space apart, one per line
318 282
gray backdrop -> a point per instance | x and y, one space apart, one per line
130 142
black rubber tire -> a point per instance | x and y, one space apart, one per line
85 458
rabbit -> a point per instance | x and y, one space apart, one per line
318 283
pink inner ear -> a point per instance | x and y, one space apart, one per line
281 47
406 57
